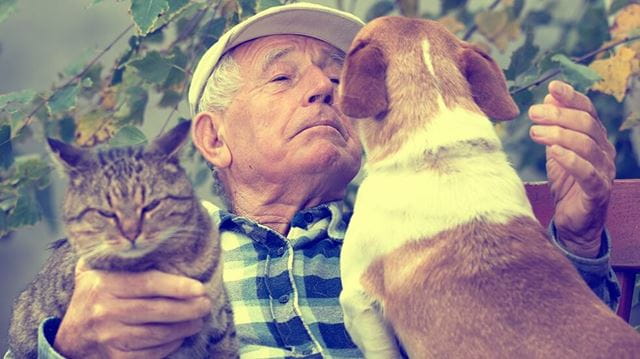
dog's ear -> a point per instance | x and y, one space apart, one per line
364 89
487 83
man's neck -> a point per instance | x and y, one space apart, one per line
271 208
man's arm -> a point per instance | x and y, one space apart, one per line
146 314
596 272
581 168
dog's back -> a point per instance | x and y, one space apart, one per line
443 237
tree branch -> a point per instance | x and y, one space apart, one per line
551 74
78 76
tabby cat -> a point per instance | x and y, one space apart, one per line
131 209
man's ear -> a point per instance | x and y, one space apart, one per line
487 83
364 89
207 133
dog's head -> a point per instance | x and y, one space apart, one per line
400 70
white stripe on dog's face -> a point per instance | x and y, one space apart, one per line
426 56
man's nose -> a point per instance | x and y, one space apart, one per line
321 87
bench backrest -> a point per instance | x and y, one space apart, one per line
623 224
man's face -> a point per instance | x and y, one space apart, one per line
283 122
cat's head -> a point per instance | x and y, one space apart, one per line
122 205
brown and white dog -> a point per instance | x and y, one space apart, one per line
443 249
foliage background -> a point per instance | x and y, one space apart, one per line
120 76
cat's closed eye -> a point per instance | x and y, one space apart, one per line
151 206
106 214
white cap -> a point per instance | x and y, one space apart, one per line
335 27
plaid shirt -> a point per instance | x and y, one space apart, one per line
285 291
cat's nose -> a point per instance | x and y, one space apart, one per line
130 228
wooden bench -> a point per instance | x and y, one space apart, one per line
623 224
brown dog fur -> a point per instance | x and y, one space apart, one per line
479 290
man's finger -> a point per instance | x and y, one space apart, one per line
574 141
568 118
160 310
150 284
150 336
594 185
568 97
160 351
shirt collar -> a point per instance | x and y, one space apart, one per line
332 217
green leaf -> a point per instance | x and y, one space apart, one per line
448 5
580 76
67 129
31 169
78 64
153 67
176 5
16 98
132 112
4 227
146 13
17 106
212 31
6 150
26 212
248 7
87 82
6 8
170 98
592 29
518 5
617 5
381 8
128 136
63 100
524 99
265 4
176 74
522 58
538 17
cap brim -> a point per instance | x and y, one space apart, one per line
335 27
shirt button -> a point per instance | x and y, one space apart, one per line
283 299
280 251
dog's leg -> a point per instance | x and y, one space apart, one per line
366 325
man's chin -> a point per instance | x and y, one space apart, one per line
332 161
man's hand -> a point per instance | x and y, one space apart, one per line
130 315
580 165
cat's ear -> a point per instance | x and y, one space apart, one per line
71 157
169 143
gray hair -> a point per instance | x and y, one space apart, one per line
221 87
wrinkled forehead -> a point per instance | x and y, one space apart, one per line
257 52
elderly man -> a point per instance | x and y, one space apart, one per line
266 119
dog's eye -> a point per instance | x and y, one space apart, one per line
335 81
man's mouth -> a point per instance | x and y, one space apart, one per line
324 119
